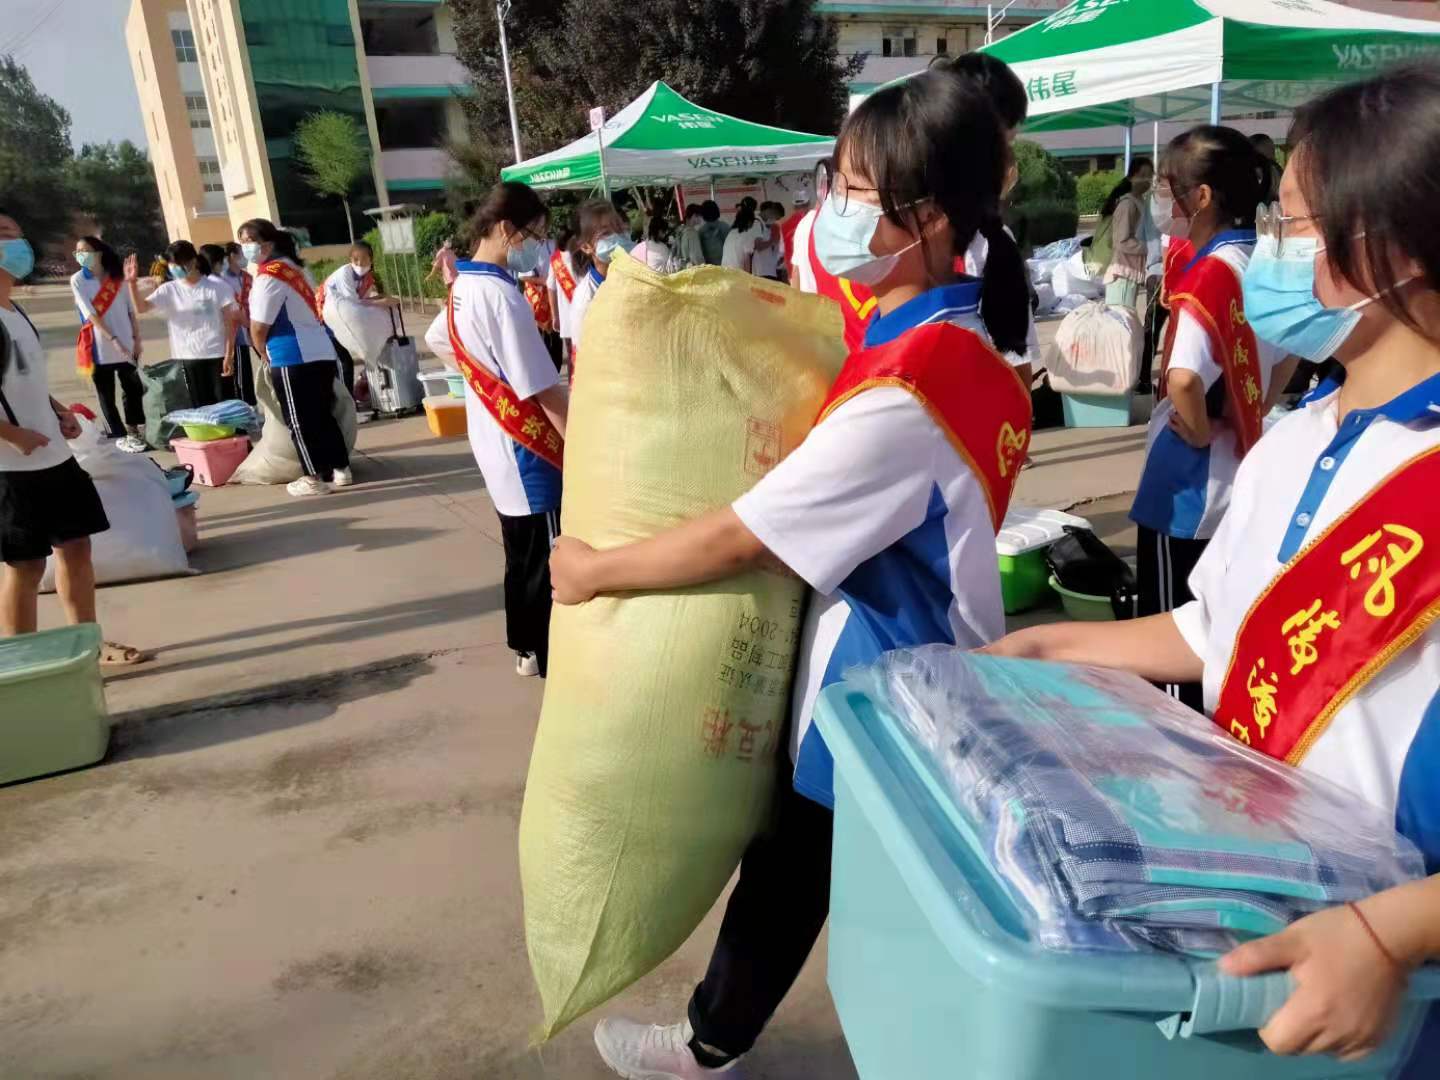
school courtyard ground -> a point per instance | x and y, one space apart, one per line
299 858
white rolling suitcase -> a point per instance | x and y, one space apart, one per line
394 376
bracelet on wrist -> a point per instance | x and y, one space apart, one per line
1403 969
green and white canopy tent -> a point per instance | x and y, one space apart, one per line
1104 62
661 138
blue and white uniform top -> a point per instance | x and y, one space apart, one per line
1185 491
585 290
296 335
497 327
237 286
343 284
85 286
884 519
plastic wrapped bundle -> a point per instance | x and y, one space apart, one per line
1121 819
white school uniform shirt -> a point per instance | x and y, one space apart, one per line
342 284
585 290
296 335
1184 492
739 244
1384 743
195 316
885 520
767 263
975 256
85 286
497 327
26 394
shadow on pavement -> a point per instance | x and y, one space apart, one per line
283 540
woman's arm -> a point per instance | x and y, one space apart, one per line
711 547
555 400
132 279
1190 421
1152 648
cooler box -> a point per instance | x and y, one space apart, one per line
934 978
1096 410
446 416
52 707
1020 546
214 461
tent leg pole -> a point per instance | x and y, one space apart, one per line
1215 103
1155 161
1129 147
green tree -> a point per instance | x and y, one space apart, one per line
34 151
115 184
1042 177
335 152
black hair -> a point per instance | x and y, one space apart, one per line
772 207
694 210
361 245
282 241
1262 142
511 202
995 79
562 242
1368 159
591 217
1123 188
232 248
181 252
745 215
110 264
658 229
710 210
213 254
938 137
1227 162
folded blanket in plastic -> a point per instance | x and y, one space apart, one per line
1122 820
232 413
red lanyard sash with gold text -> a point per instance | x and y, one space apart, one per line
85 343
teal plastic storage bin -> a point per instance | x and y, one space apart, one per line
1096 410
934 977
52 707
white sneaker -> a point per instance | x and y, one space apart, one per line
308 485
647 1052
131 444
527 664
342 478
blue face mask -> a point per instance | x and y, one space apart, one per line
527 257
17 258
1280 301
178 272
842 242
606 246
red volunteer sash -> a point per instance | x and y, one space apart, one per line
857 303
1177 256
539 297
523 421
1336 614
1210 291
85 343
968 390
292 276
563 277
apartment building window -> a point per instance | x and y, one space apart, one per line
184 42
197 110
952 41
898 41
210 174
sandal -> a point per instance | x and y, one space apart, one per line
113 655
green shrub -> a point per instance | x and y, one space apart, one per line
1042 177
431 231
1039 223
320 269
1094 188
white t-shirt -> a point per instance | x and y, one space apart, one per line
85 286
585 290
739 244
296 335
27 393
342 284
653 253
766 263
497 327
195 315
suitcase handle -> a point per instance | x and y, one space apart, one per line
400 332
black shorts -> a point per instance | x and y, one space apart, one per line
47 507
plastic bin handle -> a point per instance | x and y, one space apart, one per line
1225 1003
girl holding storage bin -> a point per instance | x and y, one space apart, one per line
888 509
1311 628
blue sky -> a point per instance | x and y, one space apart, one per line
75 52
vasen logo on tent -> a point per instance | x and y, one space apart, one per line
732 161
1372 57
551 174
689 119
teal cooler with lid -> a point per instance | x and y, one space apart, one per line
52 706
934 977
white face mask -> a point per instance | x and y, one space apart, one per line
1162 209
842 242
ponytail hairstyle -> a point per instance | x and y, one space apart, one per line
182 252
1228 163
213 254
938 137
110 264
593 219
995 79
745 216
1124 187
281 240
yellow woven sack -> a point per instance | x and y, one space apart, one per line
655 757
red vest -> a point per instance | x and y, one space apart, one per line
857 303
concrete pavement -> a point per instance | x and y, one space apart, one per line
299 859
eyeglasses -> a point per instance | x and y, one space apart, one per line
1272 222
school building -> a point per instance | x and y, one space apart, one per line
223 84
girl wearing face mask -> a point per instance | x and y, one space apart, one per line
108 349
744 236
888 509
1213 371
201 315
1330 544
514 402
1124 232
602 233
351 283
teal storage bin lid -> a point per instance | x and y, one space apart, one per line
48 653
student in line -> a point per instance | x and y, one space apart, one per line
654 250
879 510
48 503
109 346
743 237
602 232
562 289
1213 370
214 255
292 341
1121 241
201 314
1310 624
770 248
713 232
515 404
239 279
689 249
